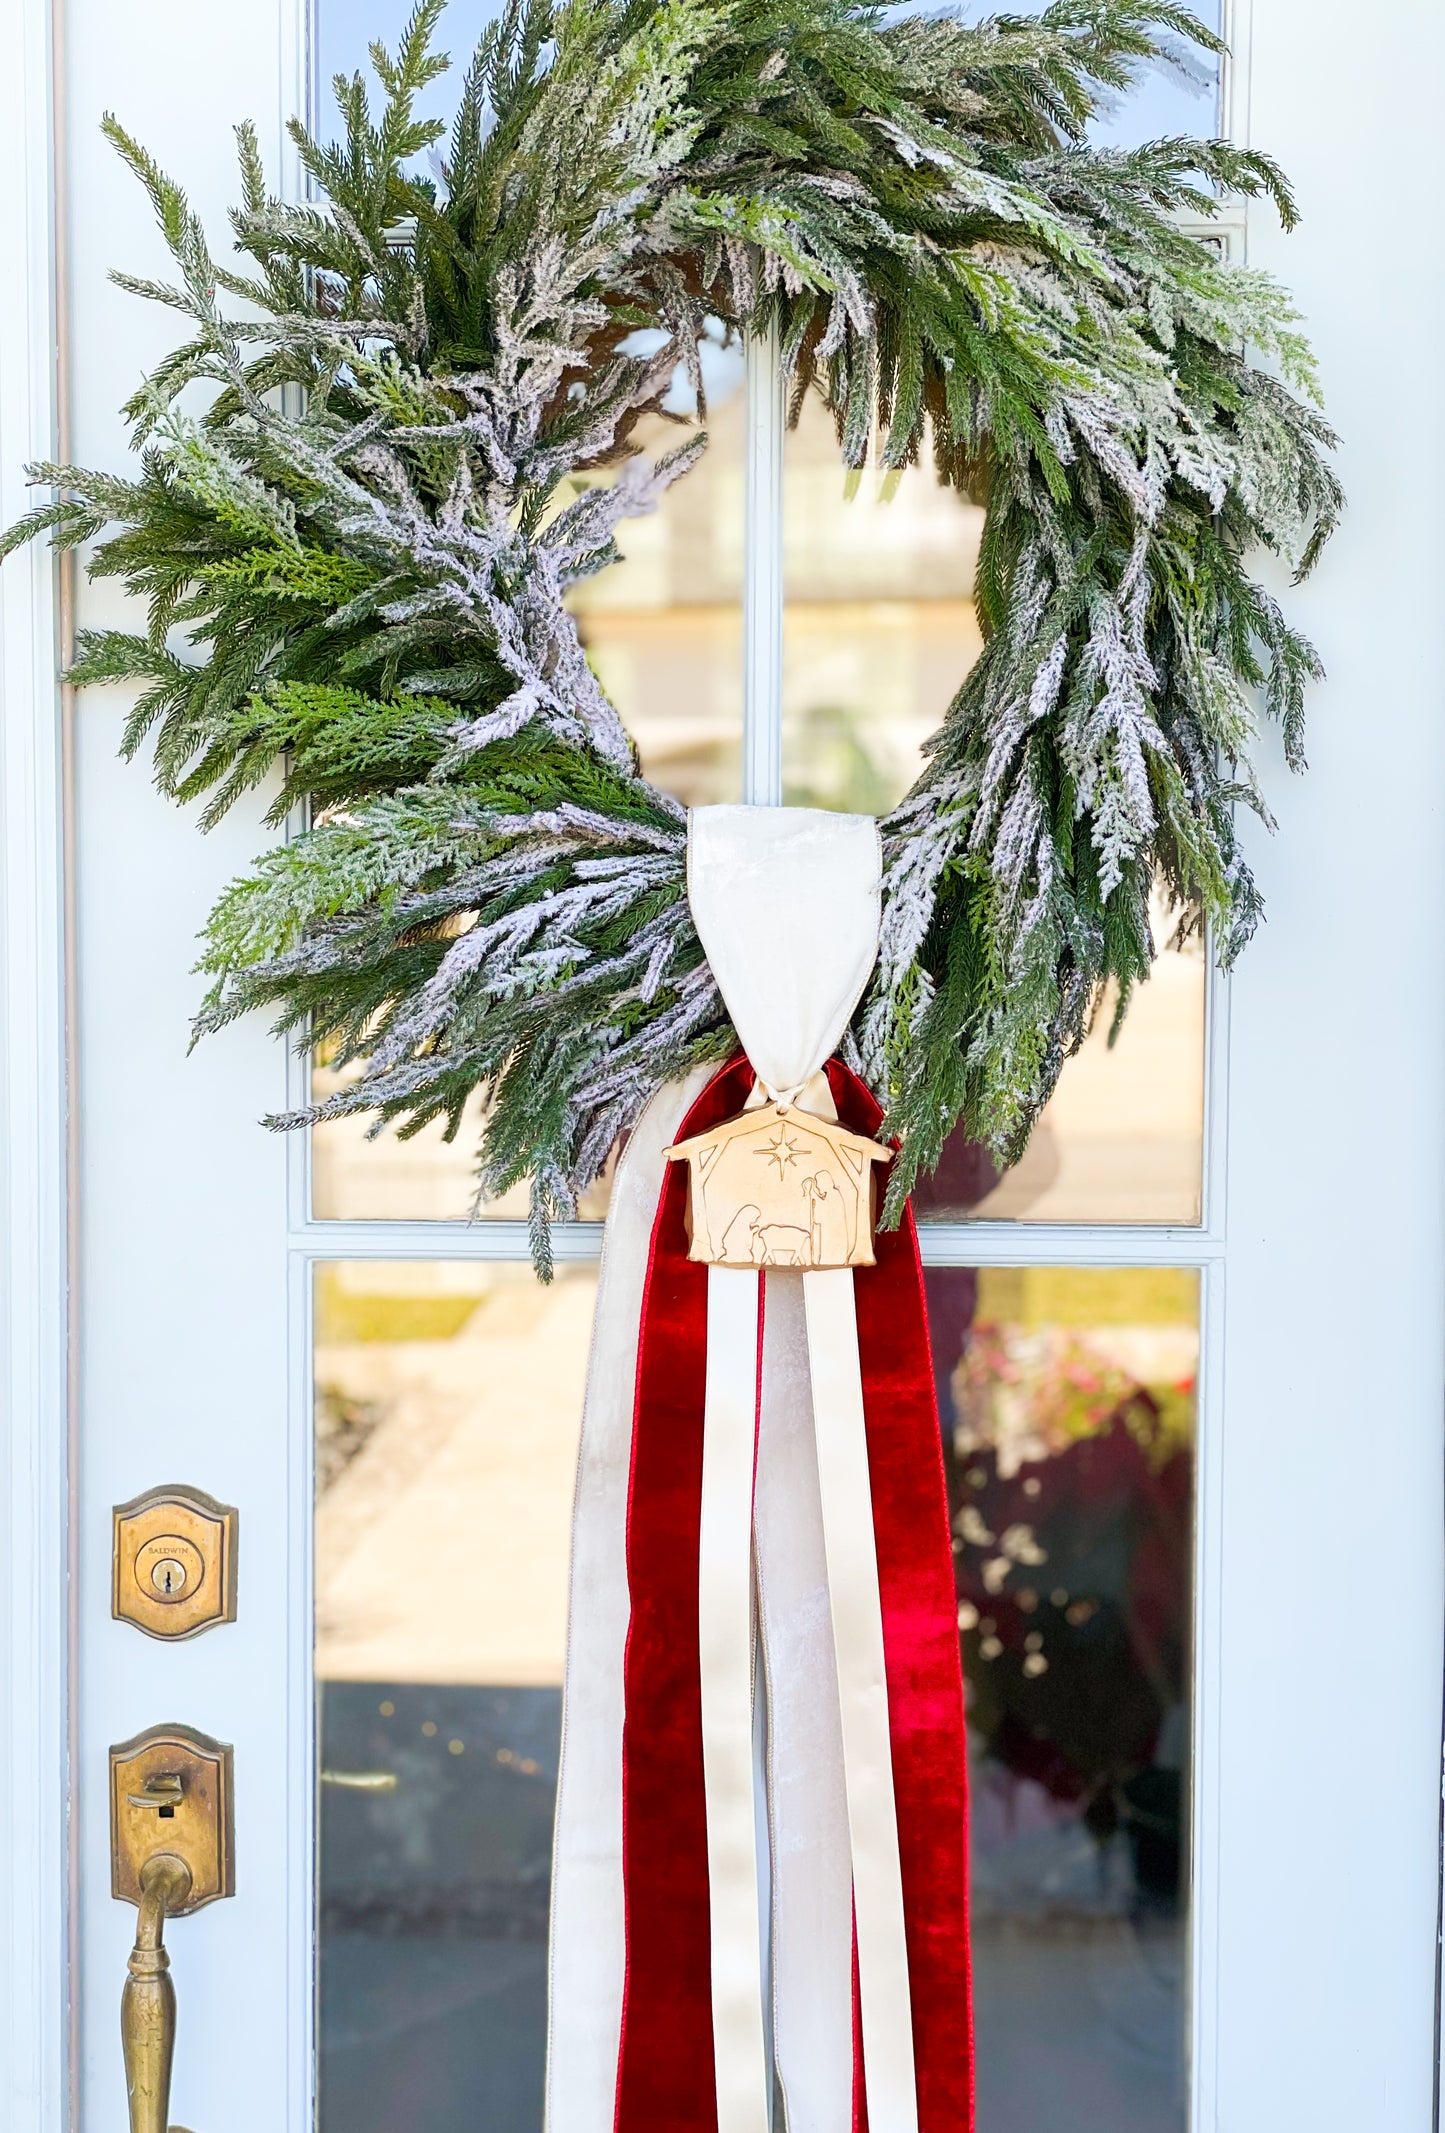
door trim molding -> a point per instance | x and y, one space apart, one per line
36 1907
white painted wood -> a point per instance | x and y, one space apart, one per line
941 1243
297 1938
1325 1755
35 1910
184 1356
763 577
1208 1687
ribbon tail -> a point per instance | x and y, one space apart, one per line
886 2011
665 2073
725 1652
588 1957
812 1883
844 1522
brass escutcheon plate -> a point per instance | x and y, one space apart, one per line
174 1562
170 1791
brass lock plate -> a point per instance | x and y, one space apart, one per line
174 1562
170 1791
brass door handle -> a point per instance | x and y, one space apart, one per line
171 1851
148 2002
159 1791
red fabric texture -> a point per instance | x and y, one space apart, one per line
920 1646
665 2073
665 2076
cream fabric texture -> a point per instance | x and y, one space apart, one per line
588 1960
786 904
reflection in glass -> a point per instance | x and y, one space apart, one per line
343 32
1122 1139
1176 95
423 1179
448 1396
664 628
448 1400
878 622
1068 1403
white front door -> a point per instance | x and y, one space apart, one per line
1189 1353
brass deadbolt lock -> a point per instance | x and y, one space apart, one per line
174 1562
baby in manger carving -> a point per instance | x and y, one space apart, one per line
777 1187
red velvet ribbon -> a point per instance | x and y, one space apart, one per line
665 2080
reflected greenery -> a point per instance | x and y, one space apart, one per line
833 766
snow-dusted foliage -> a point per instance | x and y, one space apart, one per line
356 552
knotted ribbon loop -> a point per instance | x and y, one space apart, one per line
786 904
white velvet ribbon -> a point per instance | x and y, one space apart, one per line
812 1893
725 1651
884 2003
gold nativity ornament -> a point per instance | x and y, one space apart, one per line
778 1187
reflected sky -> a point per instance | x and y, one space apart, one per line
1163 101
344 29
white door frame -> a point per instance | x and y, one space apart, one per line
36 1910
1305 1236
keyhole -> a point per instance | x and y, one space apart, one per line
169 1577
167 1814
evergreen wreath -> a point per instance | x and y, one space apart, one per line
356 557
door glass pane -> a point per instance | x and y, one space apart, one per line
1068 1401
448 1401
878 619
448 1398
664 629
879 630
1122 1139
1165 100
